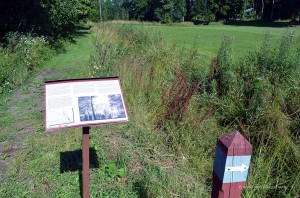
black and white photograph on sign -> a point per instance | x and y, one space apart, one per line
102 107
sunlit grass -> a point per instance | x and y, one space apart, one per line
207 38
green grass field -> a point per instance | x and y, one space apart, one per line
208 38
134 159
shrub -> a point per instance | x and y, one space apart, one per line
204 19
176 99
105 52
23 55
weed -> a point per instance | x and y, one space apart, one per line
175 100
112 171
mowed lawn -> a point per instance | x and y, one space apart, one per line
207 38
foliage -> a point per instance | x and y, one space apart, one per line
23 55
104 54
62 18
167 11
55 19
112 171
138 9
145 65
58 19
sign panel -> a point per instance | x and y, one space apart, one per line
231 168
84 102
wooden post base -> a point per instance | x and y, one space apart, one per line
86 161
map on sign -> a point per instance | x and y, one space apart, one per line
83 102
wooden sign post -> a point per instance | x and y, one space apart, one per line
232 160
86 161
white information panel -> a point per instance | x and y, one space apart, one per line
84 102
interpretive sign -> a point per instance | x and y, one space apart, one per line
83 102
231 166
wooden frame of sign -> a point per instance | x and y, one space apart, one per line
84 102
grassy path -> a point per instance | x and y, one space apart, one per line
35 163
29 157
71 64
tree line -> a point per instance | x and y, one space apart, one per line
190 10
59 18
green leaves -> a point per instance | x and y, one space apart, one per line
23 54
112 171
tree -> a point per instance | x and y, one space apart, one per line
283 9
179 10
20 16
204 10
229 10
164 11
61 17
188 4
53 18
137 9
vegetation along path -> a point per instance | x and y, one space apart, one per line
25 148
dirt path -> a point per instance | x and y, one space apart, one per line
23 109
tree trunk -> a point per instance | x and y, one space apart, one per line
92 106
100 10
205 5
244 9
262 8
272 12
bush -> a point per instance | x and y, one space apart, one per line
203 19
54 19
23 55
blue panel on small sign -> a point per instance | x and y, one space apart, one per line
236 169
231 168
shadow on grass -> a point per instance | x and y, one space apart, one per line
59 44
83 30
278 24
140 189
71 161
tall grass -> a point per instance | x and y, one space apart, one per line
159 106
179 107
258 90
